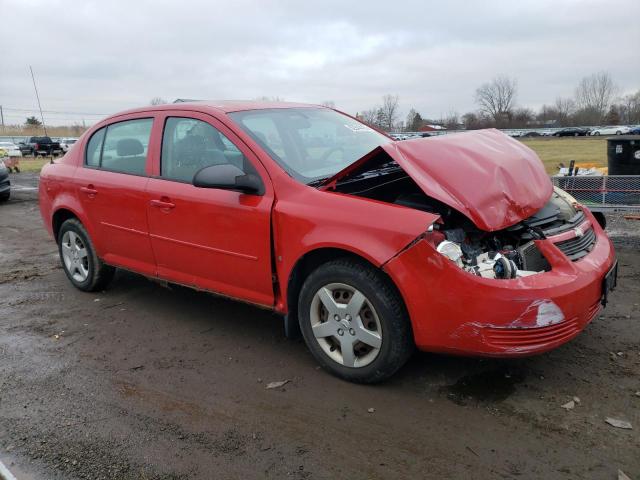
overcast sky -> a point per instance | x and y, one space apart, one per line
104 56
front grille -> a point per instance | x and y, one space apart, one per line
578 247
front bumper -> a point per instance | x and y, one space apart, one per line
456 312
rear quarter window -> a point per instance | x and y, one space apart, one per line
120 147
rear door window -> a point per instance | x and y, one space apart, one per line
126 146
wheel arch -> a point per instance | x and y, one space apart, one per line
59 217
314 258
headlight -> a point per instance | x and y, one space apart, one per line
565 196
452 251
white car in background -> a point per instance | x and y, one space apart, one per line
65 143
611 130
11 149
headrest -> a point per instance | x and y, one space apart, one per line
128 147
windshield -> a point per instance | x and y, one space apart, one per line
309 143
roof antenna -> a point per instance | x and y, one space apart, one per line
38 97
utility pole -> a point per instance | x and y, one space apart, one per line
38 97
2 118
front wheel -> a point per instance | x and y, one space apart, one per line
354 321
79 260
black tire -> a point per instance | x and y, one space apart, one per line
100 274
5 196
397 338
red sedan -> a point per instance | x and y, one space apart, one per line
452 244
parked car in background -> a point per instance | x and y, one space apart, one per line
43 146
458 243
5 183
11 149
572 132
65 143
611 130
635 130
12 155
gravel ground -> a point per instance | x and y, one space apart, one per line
147 382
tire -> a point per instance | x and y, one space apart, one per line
376 350
576 134
618 132
86 271
5 196
596 133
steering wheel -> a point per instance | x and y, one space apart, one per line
327 154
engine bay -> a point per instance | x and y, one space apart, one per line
505 254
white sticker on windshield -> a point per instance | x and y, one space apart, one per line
358 128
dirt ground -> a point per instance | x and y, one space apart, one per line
147 382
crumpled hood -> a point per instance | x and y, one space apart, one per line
489 177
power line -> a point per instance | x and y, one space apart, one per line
31 110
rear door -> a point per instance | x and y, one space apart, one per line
111 187
218 240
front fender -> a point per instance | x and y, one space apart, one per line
373 230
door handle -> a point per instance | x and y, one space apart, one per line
89 190
162 204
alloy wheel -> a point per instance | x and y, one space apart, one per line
75 256
346 325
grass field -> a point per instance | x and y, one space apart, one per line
30 164
586 151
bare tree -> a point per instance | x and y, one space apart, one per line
522 117
368 116
497 98
565 107
389 111
594 95
450 121
158 101
630 108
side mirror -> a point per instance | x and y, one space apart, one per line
228 177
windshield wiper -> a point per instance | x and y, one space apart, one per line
318 181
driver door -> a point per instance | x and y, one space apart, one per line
213 239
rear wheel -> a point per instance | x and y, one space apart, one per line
79 260
5 196
354 321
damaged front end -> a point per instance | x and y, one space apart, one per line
510 267
491 240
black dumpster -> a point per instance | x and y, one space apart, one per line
623 155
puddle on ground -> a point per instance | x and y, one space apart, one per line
484 387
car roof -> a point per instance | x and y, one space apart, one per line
219 106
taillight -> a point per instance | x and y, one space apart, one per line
35 147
